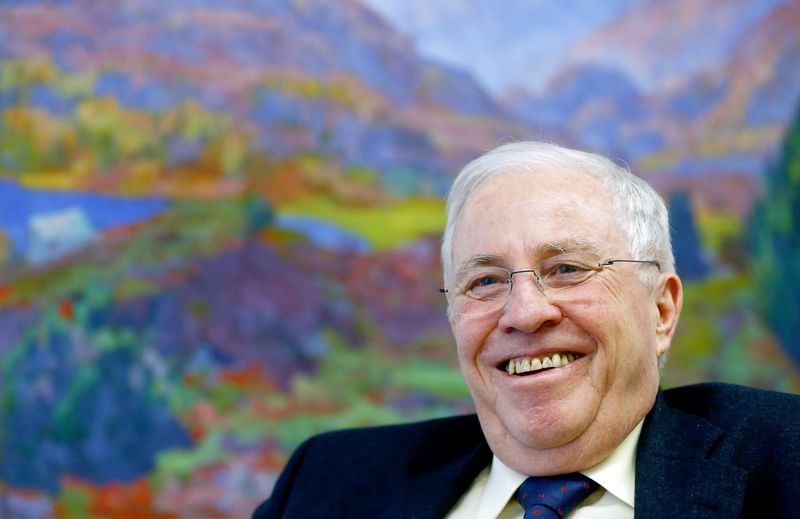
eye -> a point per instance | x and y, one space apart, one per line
562 268
486 280
484 283
566 268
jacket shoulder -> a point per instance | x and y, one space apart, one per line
353 460
730 405
722 449
757 425
402 446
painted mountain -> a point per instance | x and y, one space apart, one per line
703 98
219 222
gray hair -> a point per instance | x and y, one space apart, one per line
640 210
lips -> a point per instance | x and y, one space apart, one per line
529 365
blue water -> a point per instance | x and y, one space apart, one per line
323 234
18 204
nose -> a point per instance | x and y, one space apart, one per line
528 308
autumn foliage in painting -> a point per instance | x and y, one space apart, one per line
219 231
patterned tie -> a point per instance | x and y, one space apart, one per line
553 497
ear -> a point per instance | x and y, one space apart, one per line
669 301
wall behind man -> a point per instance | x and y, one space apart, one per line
219 221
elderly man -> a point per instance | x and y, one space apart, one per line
563 300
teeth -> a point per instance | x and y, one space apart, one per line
531 364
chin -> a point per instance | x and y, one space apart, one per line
545 443
548 431
549 423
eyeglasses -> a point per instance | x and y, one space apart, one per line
481 290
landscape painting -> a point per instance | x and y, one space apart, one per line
220 221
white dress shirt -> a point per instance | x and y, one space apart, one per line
491 495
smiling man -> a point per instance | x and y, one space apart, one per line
563 300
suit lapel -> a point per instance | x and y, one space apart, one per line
437 475
682 469
433 492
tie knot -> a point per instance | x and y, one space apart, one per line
553 496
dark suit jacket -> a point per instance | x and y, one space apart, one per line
711 450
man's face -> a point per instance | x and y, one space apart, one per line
571 417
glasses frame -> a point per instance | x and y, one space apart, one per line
599 267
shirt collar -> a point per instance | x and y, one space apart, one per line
616 474
500 488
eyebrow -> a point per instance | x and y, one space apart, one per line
544 250
571 245
480 260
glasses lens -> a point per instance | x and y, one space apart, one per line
486 289
567 270
480 290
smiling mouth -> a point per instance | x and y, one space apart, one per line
529 365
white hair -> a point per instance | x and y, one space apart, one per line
640 210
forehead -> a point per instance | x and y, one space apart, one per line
518 212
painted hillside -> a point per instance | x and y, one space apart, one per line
219 222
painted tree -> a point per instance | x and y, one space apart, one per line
775 235
686 244
84 399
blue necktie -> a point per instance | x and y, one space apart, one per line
553 497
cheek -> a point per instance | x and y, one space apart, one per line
465 342
629 353
610 330
469 337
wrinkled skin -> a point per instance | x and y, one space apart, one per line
570 418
